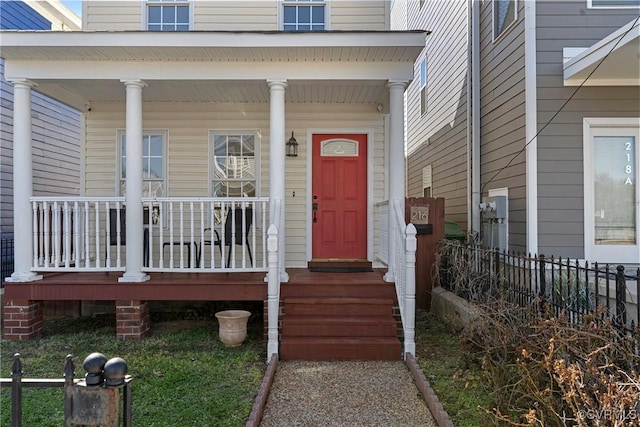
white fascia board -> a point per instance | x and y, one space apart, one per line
227 39
578 68
200 70
61 17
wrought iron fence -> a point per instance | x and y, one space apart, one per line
6 259
563 286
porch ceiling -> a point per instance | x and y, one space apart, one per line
78 68
613 61
80 92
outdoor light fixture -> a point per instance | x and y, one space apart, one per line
292 147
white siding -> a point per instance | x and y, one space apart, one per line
439 137
120 15
257 15
370 15
246 15
188 128
56 150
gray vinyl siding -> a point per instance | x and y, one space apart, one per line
439 137
560 145
502 115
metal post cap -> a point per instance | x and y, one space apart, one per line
114 371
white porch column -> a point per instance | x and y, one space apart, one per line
277 164
22 183
133 153
396 170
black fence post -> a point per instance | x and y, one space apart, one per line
543 282
16 391
68 387
621 297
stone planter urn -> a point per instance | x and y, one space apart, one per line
233 326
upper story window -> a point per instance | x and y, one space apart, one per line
423 86
504 14
153 164
168 15
613 3
303 15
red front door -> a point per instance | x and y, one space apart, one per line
339 197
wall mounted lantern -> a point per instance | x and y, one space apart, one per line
292 147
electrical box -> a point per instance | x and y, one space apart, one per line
494 212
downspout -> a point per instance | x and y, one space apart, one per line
475 119
531 117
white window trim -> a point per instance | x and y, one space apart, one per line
424 105
616 123
508 27
144 24
327 13
120 133
591 6
256 149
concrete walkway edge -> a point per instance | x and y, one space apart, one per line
433 403
263 393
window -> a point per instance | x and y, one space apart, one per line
613 3
504 14
423 87
611 190
303 15
153 164
427 181
168 15
233 164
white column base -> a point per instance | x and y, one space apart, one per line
23 277
284 276
389 277
134 278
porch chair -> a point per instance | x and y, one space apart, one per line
233 216
113 236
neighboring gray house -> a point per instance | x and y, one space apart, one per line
56 135
538 101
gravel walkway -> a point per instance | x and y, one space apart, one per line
345 394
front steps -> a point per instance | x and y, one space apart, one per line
339 322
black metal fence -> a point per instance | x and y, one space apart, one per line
566 287
6 259
88 401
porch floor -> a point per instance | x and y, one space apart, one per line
174 286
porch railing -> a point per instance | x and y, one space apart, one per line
405 276
179 234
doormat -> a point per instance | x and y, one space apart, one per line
340 267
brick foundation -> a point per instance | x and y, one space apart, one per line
22 319
132 319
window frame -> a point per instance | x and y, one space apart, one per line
424 79
211 157
146 4
608 126
494 15
284 3
590 5
121 134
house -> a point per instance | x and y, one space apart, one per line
243 138
529 124
56 127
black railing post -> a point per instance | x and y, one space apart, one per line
621 297
543 281
16 391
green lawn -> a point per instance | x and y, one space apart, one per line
459 387
182 376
